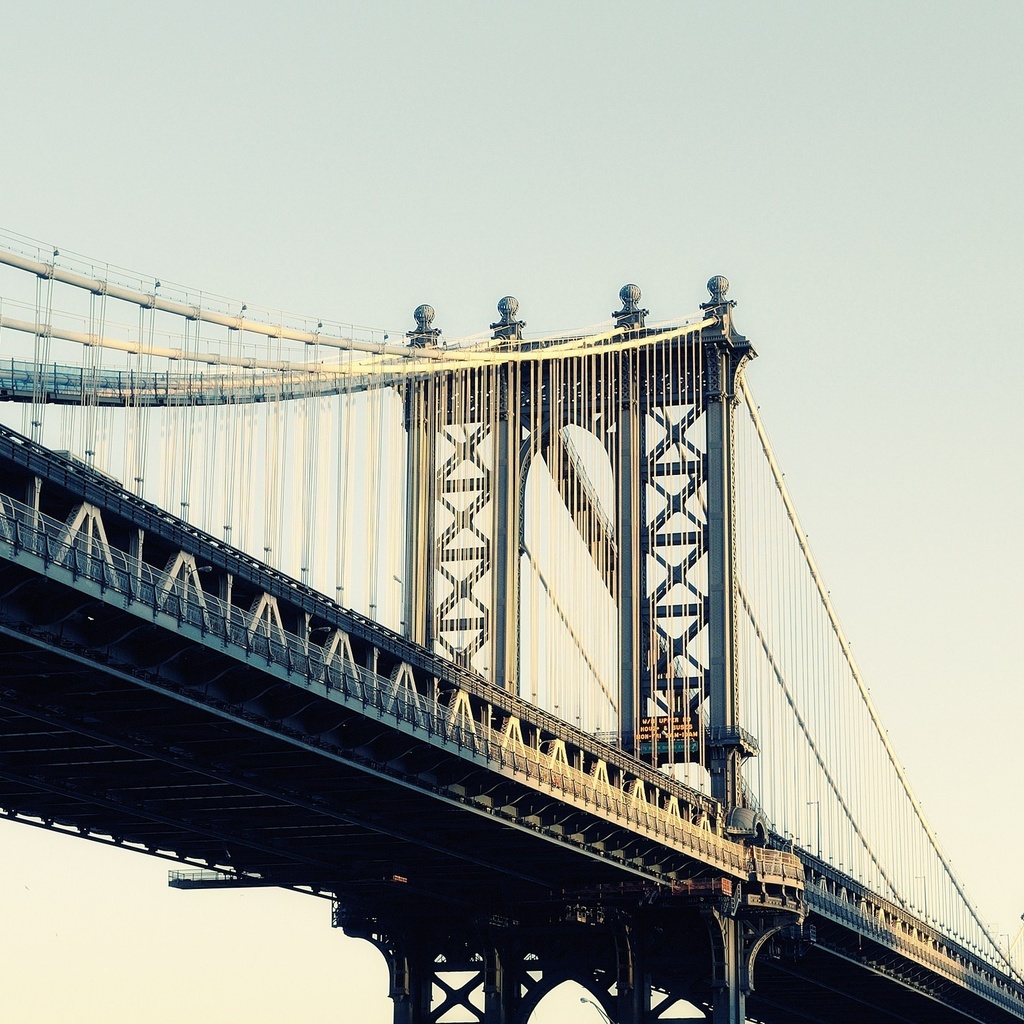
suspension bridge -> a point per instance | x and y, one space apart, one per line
510 646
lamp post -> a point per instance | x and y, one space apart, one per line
1016 942
816 804
598 1007
924 887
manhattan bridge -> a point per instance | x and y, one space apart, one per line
511 647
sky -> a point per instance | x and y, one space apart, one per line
854 169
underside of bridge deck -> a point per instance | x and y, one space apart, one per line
170 773
123 731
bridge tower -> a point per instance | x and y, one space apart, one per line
472 437
661 405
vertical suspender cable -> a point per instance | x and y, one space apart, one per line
808 558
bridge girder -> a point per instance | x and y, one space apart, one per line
191 729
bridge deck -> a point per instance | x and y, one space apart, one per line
140 707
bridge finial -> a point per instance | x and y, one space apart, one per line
508 327
423 334
718 286
631 315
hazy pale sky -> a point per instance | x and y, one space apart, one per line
853 168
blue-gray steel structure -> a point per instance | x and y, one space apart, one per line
164 691
322 752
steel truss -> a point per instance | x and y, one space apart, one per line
642 963
488 849
473 438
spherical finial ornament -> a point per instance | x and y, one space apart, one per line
424 316
718 286
629 296
508 307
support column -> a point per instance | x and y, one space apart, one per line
636 962
423 990
632 982
724 690
33 491
421 419
724 354
629 519
411 988
505 592
728 990
628 525
502 984
506 532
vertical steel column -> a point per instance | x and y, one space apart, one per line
428 978
725 353
411 985
633 980
505 591
506 506
634 604
495 1009
728 991
421 425
628 524
724 691
420 480
410 967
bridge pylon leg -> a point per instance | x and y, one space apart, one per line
632 983
735 944
508 484
437 972
636 963
728 992
409 988
421 470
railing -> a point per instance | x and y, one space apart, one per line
835 895
777 866
622 799
209 876
26 381
892 927
98 488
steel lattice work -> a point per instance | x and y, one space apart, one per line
552 588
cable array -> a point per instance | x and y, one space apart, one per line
827 775
302 444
